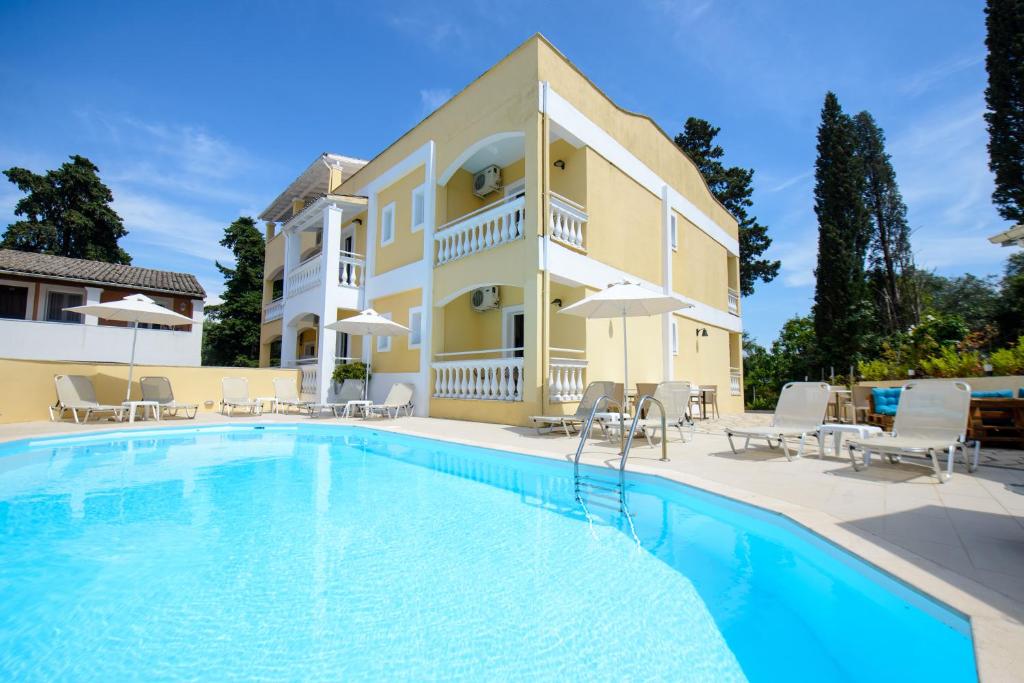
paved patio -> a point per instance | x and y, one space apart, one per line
962 541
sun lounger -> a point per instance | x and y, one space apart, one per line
931 419
235 394
798 414
351 390
286 394
76 393
593 392
675 397
399 398
159 389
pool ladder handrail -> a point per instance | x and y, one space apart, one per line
646 398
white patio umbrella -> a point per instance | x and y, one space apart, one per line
625 300
134 309
368 322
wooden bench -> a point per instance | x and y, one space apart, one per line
997 422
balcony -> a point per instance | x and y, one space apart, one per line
486 379
567 222
735 383
734 301
304 276
566 380
483 229
274 310
350 270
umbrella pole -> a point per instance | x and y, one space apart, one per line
131 364
625 386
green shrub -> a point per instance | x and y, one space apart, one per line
1008 361
950 362
344 371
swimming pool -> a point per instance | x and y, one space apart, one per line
312 552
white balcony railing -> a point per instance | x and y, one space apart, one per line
486 228
734 301
309 385
273 311
735 383
565 380
350 271
491 379
566 221
304 276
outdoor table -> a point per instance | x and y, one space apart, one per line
836 430
272 400
153 406
357 406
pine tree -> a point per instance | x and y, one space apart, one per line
1004 97
844 230
891 278
733 187
67 213
231 335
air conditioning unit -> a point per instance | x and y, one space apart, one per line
485 298
487 181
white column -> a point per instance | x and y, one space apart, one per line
424 387
666 265
196 336
92 296
292 251
289 337
327 339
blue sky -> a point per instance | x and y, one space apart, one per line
197 112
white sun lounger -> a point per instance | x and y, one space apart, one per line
159 389
593 392
235 394
931 418
286 394
675 397
399 398
76 393
351 390
798 414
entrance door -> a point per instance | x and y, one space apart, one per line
347 274
518 334
13 302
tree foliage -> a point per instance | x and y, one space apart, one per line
1004 98
231 336
733 187
66 212
844 232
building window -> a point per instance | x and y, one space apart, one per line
384 343
419 207
13 302
415 327
387 224
159 301
57 301
675 338
673 231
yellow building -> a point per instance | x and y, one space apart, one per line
522 194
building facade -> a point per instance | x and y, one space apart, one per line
527 191
36 288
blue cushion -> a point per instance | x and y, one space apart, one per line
1008 393
1020 393
886 399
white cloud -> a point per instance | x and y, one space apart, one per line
431 26
923 81
167 225
432 98
798 261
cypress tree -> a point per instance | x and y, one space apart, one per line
843 234
889 254
1004 98
231 335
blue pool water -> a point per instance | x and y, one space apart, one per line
341 553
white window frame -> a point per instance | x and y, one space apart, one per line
387 214
384 342
30 299
515 187
508 329
420 192
673 231
674 337
44 293
414 311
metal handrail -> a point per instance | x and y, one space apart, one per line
586 430
646 398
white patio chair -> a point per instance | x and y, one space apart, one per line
591 394
399 398
286 394
76 393
675 397
235 394
798 414
351 390
931 418
159 389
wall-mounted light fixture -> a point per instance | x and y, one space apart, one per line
358 221
556 302
701 331
560 164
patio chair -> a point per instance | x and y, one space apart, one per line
286 394
931 418
75 393
798 414
235 394
591 394
675 397
351 390
159 389
399 398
